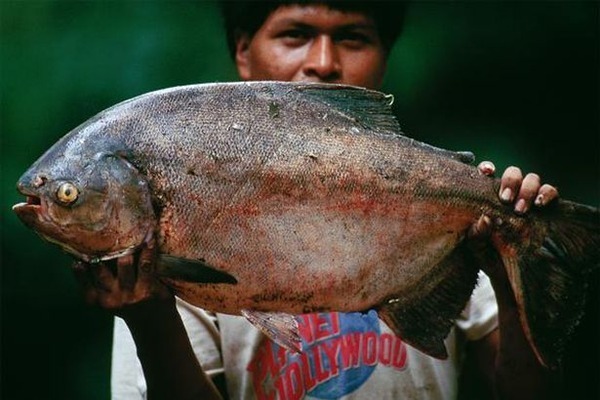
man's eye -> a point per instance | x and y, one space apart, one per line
353 39
294 36
294 33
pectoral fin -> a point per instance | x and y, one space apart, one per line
280 327
190 270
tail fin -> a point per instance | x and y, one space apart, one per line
548 273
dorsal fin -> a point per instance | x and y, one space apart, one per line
369 108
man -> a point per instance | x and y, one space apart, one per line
349 355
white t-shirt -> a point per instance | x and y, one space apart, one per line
345 356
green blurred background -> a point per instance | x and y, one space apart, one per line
515 82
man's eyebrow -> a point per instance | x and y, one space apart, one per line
358 26
294 23
285 23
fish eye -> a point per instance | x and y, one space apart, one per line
67 193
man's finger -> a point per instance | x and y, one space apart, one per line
82 277
126 272
486 168
481 228
510 184
147 282
527 193
80 273
146 259
103 277
546 194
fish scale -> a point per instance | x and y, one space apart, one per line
269 199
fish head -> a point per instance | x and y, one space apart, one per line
87 197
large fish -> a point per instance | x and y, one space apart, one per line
270 199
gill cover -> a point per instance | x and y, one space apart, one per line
96 207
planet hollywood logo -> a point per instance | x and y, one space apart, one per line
340 352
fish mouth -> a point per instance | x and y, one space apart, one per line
29 210
32 213
34 200
30 200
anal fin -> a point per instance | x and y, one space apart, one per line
425 319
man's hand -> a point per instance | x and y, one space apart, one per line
523 192
122 285
504 357
128 288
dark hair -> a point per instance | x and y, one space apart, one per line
246 17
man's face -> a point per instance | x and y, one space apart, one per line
314 43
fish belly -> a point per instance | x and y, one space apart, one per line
343 256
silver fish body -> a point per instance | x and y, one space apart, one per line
309 198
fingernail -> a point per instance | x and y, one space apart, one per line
539 200
506 195
486 168
484 225
521 206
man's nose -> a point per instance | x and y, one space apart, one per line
322 60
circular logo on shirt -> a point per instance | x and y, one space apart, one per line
340 352
354 359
